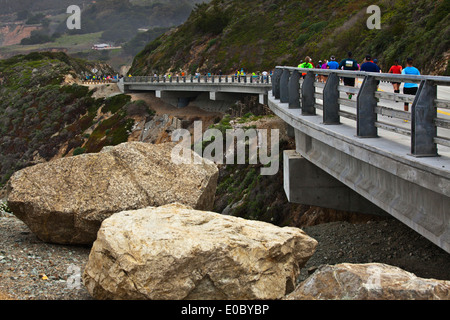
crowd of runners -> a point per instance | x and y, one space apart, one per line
368 65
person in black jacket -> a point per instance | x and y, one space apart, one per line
349 64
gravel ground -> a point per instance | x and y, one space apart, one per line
33 270
388 241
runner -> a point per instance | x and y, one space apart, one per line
319 66
333 64
306 64
370 66
324 78
410 88
265 75
349 64
396 69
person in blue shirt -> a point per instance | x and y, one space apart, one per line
370 66
410 88
333 64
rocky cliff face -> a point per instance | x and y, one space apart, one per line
12 34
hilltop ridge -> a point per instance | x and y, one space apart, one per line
228 34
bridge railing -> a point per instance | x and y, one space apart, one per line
302 89
258 79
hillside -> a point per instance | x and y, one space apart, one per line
119 20
14 6
46 114
260 34
41 25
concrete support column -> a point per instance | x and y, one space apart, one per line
365 113
284 86
294 90
308 99
330 100
263 99
423 129
276 83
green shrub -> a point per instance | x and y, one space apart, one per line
318 26
301 40
79 151
115 103
213 20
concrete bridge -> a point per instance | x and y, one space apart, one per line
398 160
180 90
363 154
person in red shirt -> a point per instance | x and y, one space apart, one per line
396 69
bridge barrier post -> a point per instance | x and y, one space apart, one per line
330 100
284 86
294 90
365 111
308 90
276 83
423 129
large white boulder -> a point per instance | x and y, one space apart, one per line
174 252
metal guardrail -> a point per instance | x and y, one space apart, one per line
300 89
201 79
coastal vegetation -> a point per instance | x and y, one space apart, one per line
43 116
258 35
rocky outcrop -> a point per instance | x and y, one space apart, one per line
159 129
174 252
13 33
372 281
65 200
